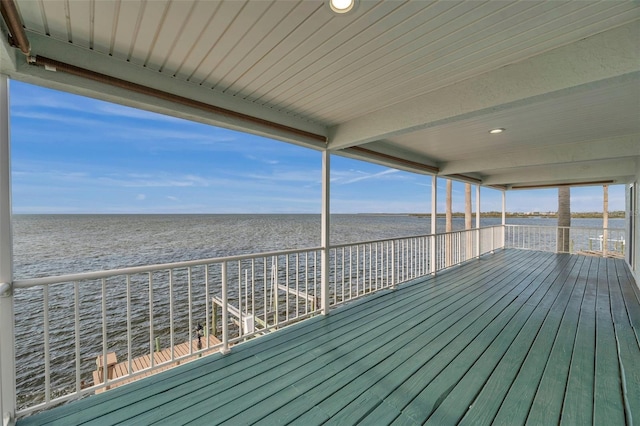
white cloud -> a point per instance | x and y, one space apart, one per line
140 197
346 179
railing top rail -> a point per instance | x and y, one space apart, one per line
584 228
82 276
95 275
334 246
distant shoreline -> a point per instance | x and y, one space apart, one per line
542 215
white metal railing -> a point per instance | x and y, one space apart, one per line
72 326
595 241
133 312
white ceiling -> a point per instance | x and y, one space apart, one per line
410 84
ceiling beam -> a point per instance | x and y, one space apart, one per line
616 147
619 170
564 70
125 71
8 55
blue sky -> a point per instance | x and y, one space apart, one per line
72 154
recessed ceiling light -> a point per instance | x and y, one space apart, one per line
496 131
342 6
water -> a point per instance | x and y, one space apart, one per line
46 245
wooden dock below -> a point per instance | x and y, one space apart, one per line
116 370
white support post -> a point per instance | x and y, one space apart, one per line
326 241
434 218
504 218
478 220
7 355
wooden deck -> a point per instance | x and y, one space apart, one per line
121 369
512 338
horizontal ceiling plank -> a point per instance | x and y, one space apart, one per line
547 26
80 18
341 40
32 16
103 28
152 24
308 20
56 19
599 57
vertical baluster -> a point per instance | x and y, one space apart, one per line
265 273
76 304
241 329
357 270
151 335
190 313
105 377
225 311
47 350
129 337
306 281
274 288
171 316
350 273
246 291
393 264
253 289
298 284
370 266
343 274
315 278
376 264
286 279
206 308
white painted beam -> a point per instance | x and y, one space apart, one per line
573 67
8 55
94 61
586 171
616 147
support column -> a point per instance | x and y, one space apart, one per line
504 218
478 220
7 356
434 218
326 240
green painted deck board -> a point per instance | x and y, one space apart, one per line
298 369
487 342
527 319
517 402
608 406
489 399
578 401
547 403
386 360
628 348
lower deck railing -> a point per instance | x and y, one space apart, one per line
66 326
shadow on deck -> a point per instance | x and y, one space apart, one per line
514 337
